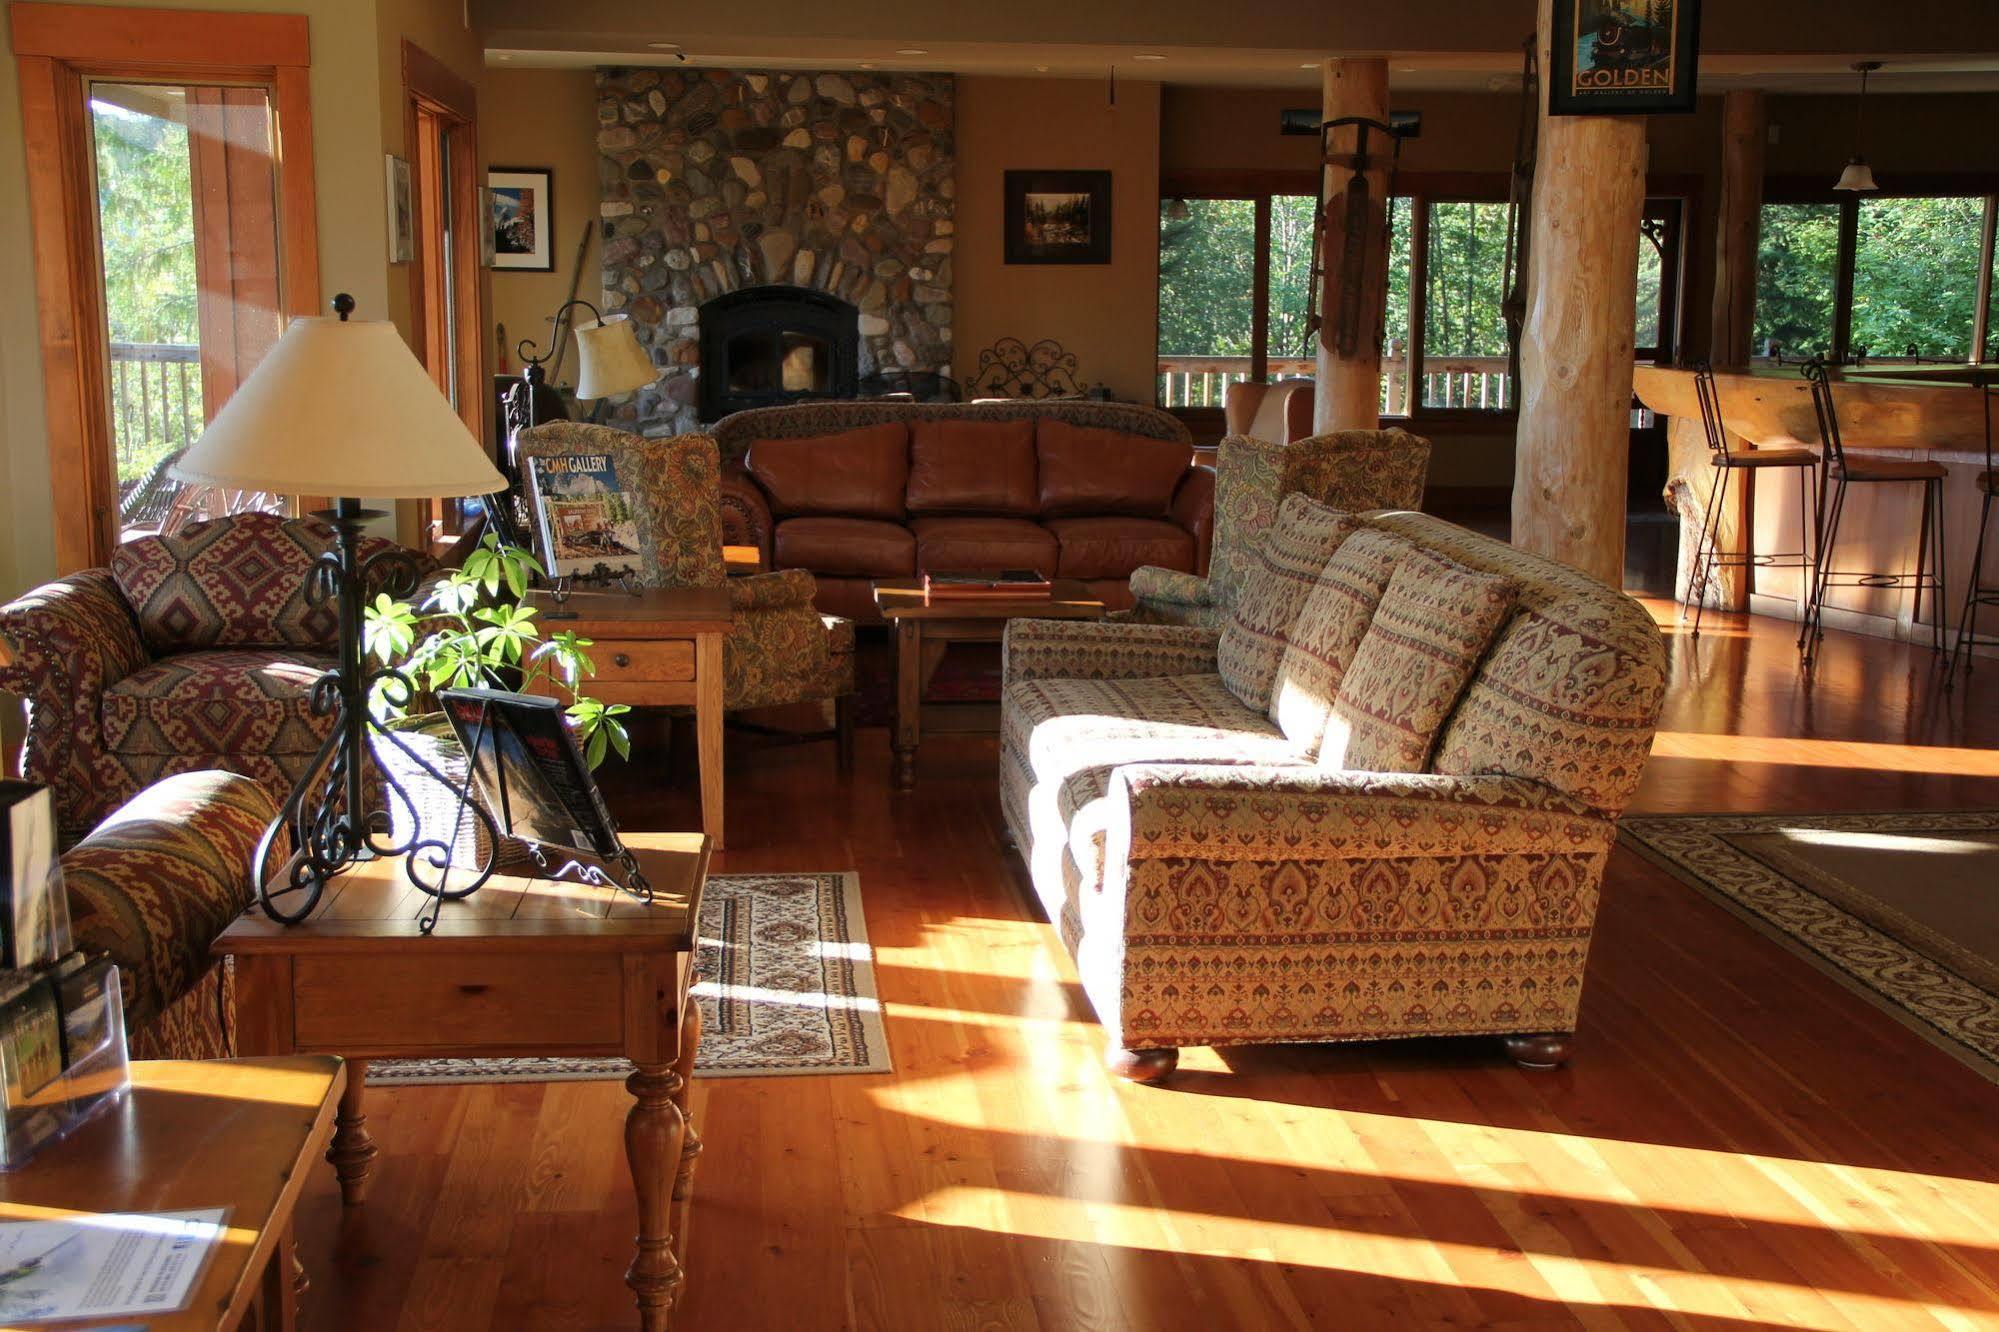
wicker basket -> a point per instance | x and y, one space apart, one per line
438 814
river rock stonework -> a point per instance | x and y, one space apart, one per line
719 179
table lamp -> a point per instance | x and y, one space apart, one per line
342 407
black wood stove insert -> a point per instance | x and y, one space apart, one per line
762 346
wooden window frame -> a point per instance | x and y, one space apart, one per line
431 89
59 49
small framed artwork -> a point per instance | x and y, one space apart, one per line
1607 58
521 213
402 212
1058 217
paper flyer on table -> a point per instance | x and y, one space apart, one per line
104 1266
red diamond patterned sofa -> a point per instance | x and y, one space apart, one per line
192 651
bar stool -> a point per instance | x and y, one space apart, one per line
1844 472
1976 595
1707 553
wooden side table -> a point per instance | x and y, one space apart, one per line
924 630
193 1134
660 648
522 967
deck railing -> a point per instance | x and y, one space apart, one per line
155 401
1476 382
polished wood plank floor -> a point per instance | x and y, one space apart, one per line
1740 1143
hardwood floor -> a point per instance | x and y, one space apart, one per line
1740 1143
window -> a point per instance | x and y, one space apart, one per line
1207 298
1887 277
1464 323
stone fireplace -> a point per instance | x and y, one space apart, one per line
809 217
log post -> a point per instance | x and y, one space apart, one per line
1348 393
1744 131
1571 461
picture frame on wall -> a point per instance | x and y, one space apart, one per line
1058 217
402 211
520 212
1620 58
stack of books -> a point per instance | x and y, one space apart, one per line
985 585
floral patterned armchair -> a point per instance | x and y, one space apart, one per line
192 651
779 650
1353 470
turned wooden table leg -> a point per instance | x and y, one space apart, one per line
653 1132
353 1151
683 1068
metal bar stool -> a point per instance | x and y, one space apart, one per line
1708 556
1975 594
1844 472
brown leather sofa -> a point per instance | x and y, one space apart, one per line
855 491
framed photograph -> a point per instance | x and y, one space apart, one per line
1623 58
402 212
1058 217
521 213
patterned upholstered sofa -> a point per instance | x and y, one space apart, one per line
1354 470
1378 803
192 651
154 885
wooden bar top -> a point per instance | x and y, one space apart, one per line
1884 409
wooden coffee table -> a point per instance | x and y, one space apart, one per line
195 1134
659 648
923 630
522 967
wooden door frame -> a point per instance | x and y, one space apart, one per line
58 49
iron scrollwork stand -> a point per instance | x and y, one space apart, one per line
326 816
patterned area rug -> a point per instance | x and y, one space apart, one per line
786 986
1903 908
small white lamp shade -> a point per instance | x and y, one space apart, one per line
1858 176
613 363
341 407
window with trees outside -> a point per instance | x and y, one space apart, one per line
1879 277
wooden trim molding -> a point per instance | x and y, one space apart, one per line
58 50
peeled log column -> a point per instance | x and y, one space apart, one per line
1348 395
1743 133
1571 461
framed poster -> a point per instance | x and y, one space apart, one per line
1623 57
1058 217
521 216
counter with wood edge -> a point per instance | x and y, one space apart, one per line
1921 411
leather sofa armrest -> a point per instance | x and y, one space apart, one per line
1193 508
746 516
1104 650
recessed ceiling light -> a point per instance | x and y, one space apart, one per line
1041 69
664 46
1309 64
912 50
506 55
1149 56
867 64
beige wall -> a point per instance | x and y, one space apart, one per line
1107 315
545 118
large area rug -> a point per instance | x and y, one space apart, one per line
786 985
1903 908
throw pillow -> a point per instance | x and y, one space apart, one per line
1287 566
1433 624
1328 632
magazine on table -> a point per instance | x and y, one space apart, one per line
995 583
529 772
587 525
107 1265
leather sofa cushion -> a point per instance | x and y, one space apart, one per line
857 473
1108 547
845 546
964 544
972 467
1085 470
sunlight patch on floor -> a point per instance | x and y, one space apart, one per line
1853 754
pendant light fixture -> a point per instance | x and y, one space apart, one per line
1858 176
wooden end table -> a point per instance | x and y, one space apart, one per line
660 648
522 967
193 1134
923 630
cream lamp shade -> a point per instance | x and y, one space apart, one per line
612 360
1857 176
341 407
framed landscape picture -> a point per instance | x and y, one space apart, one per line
1623 57
1058 217
521 218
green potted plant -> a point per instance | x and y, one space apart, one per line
471 628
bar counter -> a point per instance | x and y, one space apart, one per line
1932 411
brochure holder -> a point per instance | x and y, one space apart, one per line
96 1077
